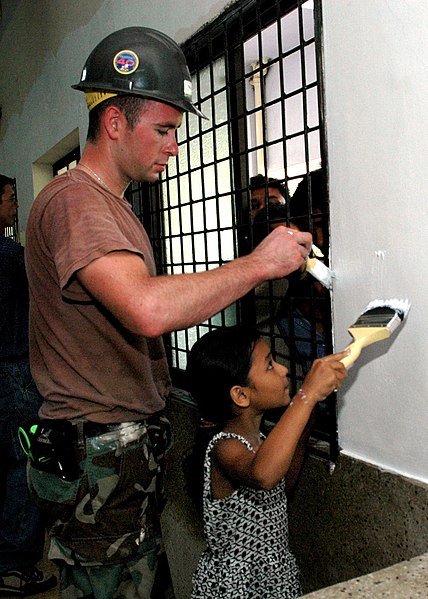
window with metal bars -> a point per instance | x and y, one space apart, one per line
256 72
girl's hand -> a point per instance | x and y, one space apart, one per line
325 376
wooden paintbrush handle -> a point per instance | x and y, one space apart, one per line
355 350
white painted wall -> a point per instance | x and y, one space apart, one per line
376 81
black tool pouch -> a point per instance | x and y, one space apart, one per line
51 448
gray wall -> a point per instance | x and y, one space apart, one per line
43 45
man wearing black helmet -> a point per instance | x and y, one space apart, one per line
98 313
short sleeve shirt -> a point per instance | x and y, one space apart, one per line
84 362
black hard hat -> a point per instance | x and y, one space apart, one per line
138 61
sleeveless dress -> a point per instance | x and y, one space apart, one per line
247 536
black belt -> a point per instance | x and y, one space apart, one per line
58 446
94 429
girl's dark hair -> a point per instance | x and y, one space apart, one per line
218 361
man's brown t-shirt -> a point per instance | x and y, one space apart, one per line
84 362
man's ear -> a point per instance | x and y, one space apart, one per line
112 120
240 396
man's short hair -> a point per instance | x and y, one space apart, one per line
261 182
3 182
131 106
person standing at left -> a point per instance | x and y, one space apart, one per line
21 529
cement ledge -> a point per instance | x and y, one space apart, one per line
405 580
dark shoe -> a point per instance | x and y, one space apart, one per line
26 582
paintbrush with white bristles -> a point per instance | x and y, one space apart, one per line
318 269
378 321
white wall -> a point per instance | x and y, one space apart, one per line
376 94
376 81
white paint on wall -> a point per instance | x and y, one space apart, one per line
376 81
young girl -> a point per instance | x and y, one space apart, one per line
234 379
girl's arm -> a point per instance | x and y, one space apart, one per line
299 455
265 468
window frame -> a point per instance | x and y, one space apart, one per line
225 36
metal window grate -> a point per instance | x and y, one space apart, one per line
256 74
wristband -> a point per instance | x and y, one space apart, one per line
300 393
303 395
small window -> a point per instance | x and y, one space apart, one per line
66 163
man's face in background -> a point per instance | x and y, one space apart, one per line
258 198
8 207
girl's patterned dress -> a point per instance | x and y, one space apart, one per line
247 536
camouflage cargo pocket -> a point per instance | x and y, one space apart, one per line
116 502
54 496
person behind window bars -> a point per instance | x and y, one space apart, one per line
21 530
268 210
98 313
263 188
307 300
301 310
235 380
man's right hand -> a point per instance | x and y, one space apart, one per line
282 252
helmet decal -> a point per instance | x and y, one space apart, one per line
126 62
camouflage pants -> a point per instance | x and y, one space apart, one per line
104 527
132 580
